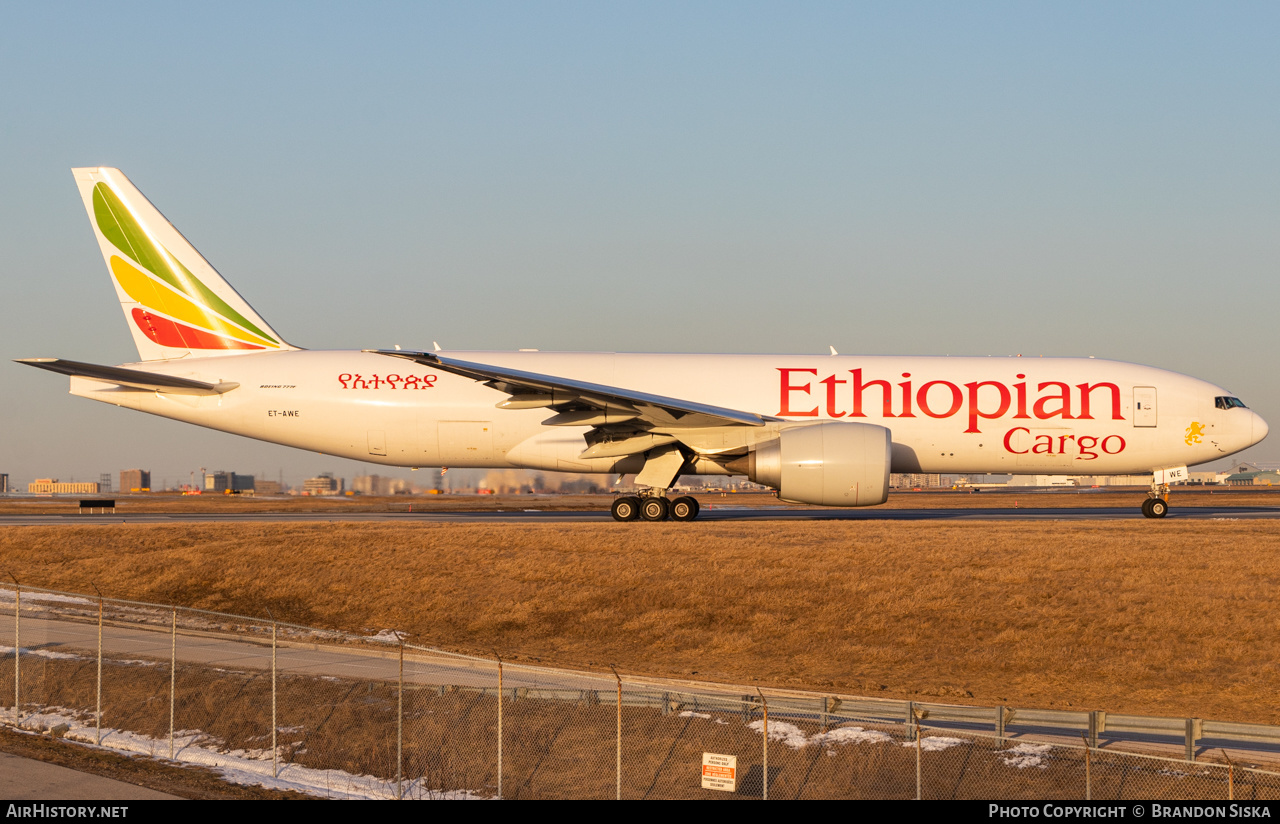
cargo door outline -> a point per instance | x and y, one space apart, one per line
465 442
1144 406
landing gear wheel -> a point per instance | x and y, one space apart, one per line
684 508
625 509
1156 508
1146 508
655 509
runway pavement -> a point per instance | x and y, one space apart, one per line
710 513
25 779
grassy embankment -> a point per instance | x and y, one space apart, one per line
1147 617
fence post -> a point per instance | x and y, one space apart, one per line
17 648
919 782
400 724
97 712
912 728
618 795
765 705
1231 777
173 676
1088 777
275 751
1000 723
499 657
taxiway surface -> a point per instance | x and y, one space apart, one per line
709 513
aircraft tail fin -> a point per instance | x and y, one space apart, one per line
175 303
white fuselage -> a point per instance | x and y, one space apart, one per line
962 415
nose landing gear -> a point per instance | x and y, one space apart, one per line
1157 503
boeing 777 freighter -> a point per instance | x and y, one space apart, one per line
820 430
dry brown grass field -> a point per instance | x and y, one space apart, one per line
1137 616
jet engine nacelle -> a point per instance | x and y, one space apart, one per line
836 463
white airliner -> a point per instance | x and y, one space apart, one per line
820 430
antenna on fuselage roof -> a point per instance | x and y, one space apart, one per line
436 345
833 349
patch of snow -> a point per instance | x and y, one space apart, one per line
935 743
39 653
6 595
794 737
788 734
390 636
692 714
1026 755
250 767
852 735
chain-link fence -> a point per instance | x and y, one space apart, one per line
344 715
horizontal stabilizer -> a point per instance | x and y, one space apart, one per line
131 378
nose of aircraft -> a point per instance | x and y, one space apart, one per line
1260 428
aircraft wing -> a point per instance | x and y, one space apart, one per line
583 403
131 378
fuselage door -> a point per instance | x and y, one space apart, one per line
1144 406
466 443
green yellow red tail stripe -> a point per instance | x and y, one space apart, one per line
178 309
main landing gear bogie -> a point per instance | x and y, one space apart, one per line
654 508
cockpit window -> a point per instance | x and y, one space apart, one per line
1223 402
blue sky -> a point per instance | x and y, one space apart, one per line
916 178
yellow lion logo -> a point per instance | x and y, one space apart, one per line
1194 433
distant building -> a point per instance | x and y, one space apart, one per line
135 480
1042 480
908 480
1269 477
266 488
323 484
52 486
223 482
379 485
